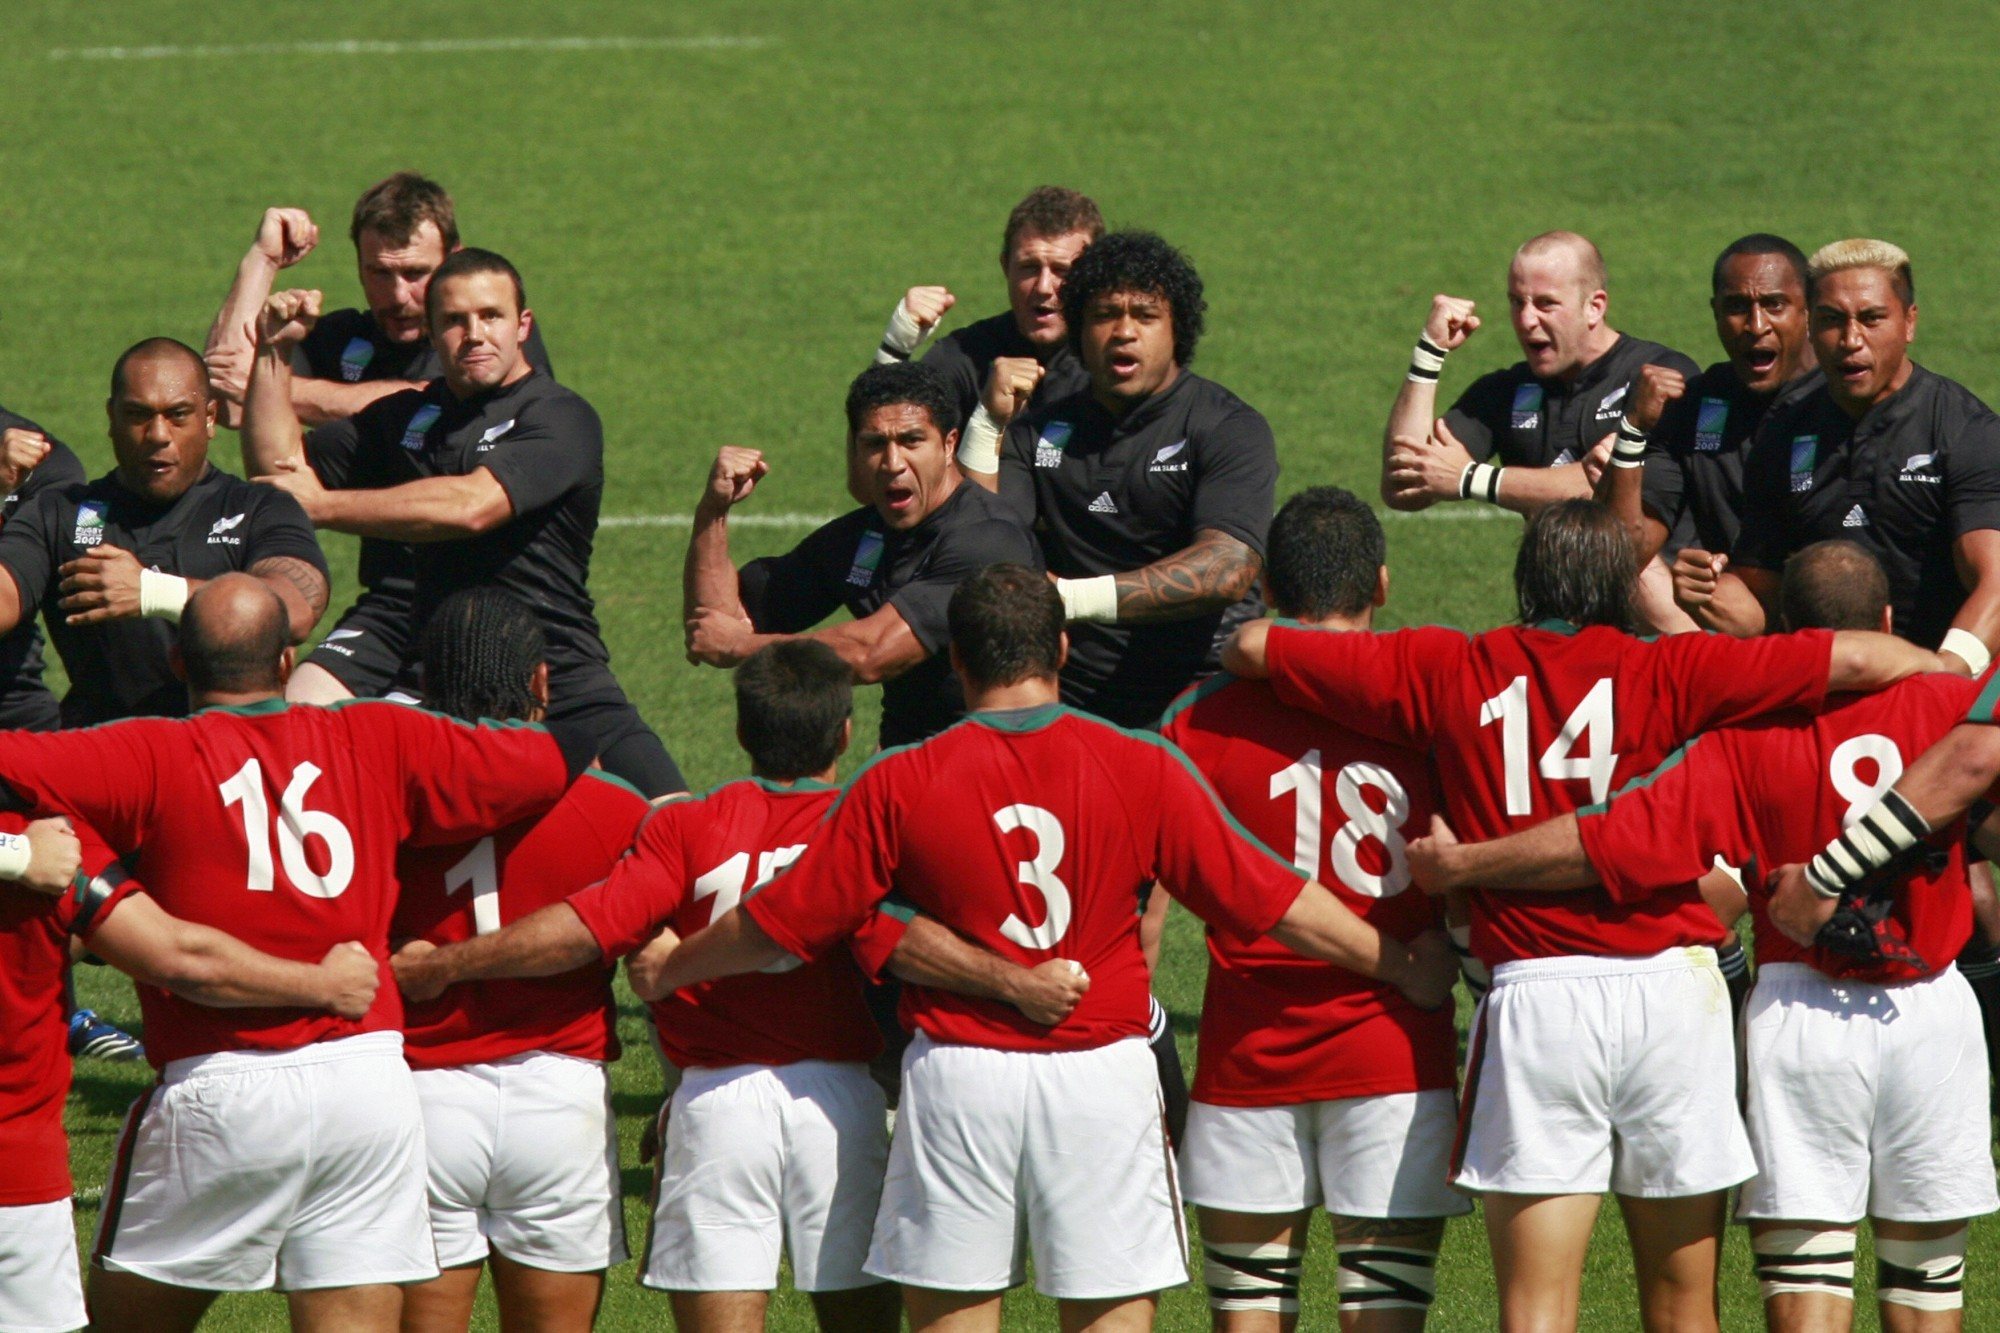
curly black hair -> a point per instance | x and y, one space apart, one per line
903 382
1136 261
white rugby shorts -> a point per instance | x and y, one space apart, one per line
523 1157
1586 1074
764 1160
1059 1153
296 1169
1382 1156
1866 1100
40 1290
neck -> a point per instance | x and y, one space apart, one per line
1120 408
826 775
1364 620
201 699
1034 692
1594 346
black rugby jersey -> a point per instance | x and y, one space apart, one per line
1694 458
220 525
1530 422
1106 495
1918 471
966 357
25 702
859 563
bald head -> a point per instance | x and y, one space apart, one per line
234 638
162 352
1581 256
1834 585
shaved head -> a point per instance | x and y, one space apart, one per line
160 350
233 638
1834 585
1568 246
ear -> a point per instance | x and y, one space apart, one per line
209 421
1888 620
538 685
111 412
1910 327
527 324
846 738
1062 653
1595 306
1382 586
286 661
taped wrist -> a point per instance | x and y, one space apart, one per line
1480 481
1628 446
15 854
979 446
1426 361
1094 599
1253 1277
1802 1261
1970 649
902 338
1885 831
1386 1275
1921 1274
162 595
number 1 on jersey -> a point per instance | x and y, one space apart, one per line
480 869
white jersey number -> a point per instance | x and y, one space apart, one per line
726 882
1591 724
1304 778
294 824
1040 874
480 869
1844 768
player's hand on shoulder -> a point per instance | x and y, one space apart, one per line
101 584
352 977
1433 971
1049 992
415 976
288 316
54 857
1009 385
1452 320
285 236
21 452
716 638
1430 858
1695 573
1794 908
735 475
1656 386
229 366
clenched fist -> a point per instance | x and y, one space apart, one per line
734 476
1451 321
285 236
21 452
1009 385
287 318
1651 392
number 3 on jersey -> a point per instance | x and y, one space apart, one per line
1364 821
1038 873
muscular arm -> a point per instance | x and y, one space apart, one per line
1977 557
1318 925
11 613
1744 603
1528 489
1208 575
880 646
432 509
1620 490
300 586
1546 858
1410 417
545 943
271 439
202 964
708 578
734 943
1863 660
932 954
316 402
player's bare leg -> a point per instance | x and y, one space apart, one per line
1242 1255
375 1308
315 685
1539 1242
1676 1250
1654 600
876 1308
934 1311
443 1304
122 1301
1388 1272
540 1300
1920 1276
1806 1273
719 1311
1122 1314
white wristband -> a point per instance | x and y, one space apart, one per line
1968 647
1089 599
1628 447
162 595
1480 481
902 338
979 446
15 854
1426 361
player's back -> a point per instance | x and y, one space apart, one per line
454 892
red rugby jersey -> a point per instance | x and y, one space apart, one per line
34 1055
1530 722
694 860
1277 1028
280 825
1776 792
1033 832
452 893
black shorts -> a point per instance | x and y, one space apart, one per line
367 648
626 747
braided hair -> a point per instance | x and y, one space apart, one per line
480 650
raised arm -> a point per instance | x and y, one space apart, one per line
271 439
708 577
545 943
205 965
284 237
431 509
1739 602
1451 321
1622 487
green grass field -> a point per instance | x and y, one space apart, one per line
713 234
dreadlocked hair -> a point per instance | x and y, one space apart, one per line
480 650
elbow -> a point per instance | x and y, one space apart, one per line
1236 583
485 515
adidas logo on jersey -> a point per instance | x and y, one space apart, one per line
1104 504
1563 459
1855 518
1164 461
218 535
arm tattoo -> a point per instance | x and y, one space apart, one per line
304 579
1204 577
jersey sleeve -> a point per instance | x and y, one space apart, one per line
1390 686
832 889
790 593
874 944
1665 830
101 883
105 776
1713 680
961 554
1017 475
1210 862
1236 487
331 451
557 450
625 909
1479 417
1764 540
949 358
1972 481
27 549
463 780
278 527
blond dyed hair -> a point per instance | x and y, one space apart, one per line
1864 252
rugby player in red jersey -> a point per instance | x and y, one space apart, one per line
518 1130
1567 1093
1866 1087
279 1148
776 1139
1034 830
1314 1086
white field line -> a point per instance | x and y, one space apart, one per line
1440 513
417 46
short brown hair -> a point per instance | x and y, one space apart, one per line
1833 584
396 208
1051 210
1007 624
1576 564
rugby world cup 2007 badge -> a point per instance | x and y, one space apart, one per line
1527 407
1049 444
424 418
1805 452
89 523
1710 420
867 556
354 359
